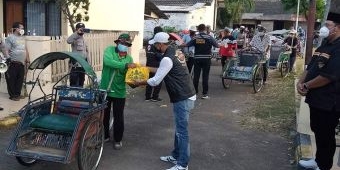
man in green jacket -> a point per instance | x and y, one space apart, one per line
116 62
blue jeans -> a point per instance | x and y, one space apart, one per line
181 151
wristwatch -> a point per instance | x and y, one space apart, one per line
305 86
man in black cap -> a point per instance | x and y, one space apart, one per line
153 58
320 83
77 41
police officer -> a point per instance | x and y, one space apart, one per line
77 41
203 44
320 82
153 58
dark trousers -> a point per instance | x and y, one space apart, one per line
323 125
77 76
204 66
117 105
292 59
190 63
152 92
15 78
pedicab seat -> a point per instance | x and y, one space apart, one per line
240 72
71 102
55 122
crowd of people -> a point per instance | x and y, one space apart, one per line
319 82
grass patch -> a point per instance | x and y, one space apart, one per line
274 109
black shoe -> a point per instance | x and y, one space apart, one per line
1 109
14 98
156 100
147 99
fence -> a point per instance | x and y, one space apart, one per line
96 45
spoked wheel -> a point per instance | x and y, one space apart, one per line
111 121
26 161
226 82
258 78
284 68
91 145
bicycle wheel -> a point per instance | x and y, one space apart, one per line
284 68
258 78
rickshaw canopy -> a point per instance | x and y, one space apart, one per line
46 59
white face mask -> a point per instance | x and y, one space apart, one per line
261 33
22 32
324 32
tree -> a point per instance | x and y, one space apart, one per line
235 9
304 6
73 10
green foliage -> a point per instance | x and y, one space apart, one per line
291 5
169 29
73 10
235 9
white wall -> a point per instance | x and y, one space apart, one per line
2 12
118 15
180 21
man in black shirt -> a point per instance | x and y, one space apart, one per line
203 44
320 82
153 58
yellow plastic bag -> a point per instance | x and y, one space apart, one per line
137 74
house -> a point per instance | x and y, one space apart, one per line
45 19
50 29
182 14
269 13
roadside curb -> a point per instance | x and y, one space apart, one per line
304 148
303 142
9 121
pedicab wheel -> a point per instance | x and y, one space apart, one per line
91 145
26 161
284 68
258 78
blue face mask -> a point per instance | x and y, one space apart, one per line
122 48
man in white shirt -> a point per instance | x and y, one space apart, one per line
182 94
261 41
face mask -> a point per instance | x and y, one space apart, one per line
324 32
81 34
122 48
261 33
22 32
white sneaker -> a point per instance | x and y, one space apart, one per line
118 145
178 167
168 159
310 164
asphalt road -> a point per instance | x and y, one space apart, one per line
218 141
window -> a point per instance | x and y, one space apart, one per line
43 19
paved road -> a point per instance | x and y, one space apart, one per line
218 142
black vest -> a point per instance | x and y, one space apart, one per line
178 81
202 45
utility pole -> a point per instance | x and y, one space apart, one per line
310 31
297 15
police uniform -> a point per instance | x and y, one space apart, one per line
324 101
153 58
203 44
